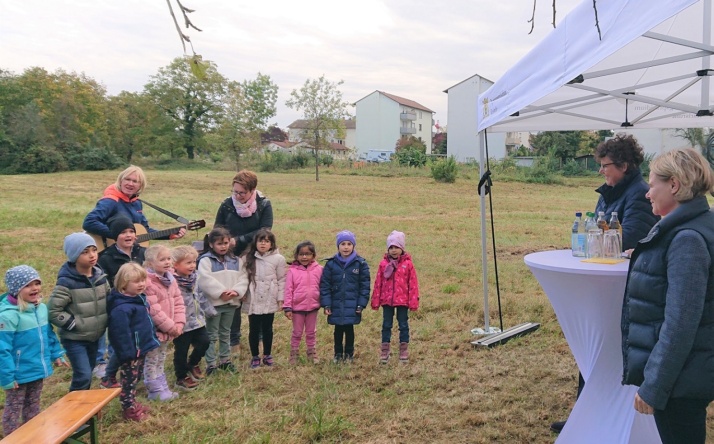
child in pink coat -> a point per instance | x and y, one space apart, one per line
302 299
396 288
168 313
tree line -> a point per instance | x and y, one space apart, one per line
57 121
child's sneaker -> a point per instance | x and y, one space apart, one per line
227 366
99 371
211 369
255 362
135 414
196 373
268 360
109 382
186 383
339 357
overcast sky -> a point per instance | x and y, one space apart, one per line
412 48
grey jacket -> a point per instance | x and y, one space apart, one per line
668 310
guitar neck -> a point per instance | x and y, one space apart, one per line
156 234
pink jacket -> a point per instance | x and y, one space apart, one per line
165 308
401 289
302 287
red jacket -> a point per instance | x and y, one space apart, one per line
401 289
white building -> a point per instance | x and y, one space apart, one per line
384 118
297 129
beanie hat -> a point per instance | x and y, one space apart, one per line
75 243
396 239
19 277
119 224
346 235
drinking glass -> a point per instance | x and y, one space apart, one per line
594 244
612 244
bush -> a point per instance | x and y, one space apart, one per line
574 168
645 165
327 160
410 156
38 159
93 159
444 170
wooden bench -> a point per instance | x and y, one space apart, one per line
66 420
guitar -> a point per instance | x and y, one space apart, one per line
143 237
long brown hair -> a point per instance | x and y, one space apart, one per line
263 233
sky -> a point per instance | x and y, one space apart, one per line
415 49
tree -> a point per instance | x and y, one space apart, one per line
561 144
273 134
323 109
439 143
248 107
695 136
410 151
194 104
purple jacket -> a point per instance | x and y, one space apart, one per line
302 287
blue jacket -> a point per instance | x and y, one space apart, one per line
131 331
114 203
28 345
345 289
633 209
668 310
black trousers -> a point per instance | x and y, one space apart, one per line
348 333
197 338
683 421
257 325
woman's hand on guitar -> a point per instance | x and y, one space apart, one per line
181 233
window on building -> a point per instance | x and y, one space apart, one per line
420 127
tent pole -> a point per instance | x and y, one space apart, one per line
706 60
484 240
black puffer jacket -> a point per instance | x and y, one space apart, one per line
633 209
668 311
243 228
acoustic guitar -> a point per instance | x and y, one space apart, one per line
143 237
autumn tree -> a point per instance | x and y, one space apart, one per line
194 104
323 110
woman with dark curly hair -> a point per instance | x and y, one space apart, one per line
624 189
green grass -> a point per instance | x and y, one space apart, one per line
449 392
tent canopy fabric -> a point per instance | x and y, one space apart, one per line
650 70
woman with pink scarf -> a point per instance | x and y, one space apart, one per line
243 213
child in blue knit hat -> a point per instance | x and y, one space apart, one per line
344 293
78 307
28 346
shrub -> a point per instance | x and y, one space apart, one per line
38 159
574 168
327 159
93 159
444 170
410 157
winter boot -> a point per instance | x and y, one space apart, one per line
384 354
312 356
404 352
293 356
159 389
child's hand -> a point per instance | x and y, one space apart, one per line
328 311
359 310
226 296
289 315
280 305
14 385
60 362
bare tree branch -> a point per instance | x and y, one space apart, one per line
597 23
532 20
187 21
553 13
184 37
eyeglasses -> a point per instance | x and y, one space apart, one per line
605 165
305 254
240 193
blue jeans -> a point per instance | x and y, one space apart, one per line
388 321
683 421
83 356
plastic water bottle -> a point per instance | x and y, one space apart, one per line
577 238
590 223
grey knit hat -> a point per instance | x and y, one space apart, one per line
75 243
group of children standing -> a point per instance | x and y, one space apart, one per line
177 295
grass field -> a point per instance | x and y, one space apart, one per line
449 391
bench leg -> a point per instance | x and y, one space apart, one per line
90 427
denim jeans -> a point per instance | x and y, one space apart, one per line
105 351
388 322
83 356
682 421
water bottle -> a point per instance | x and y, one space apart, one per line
590 223
577 238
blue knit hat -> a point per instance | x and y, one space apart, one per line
19 277
346 235
75 243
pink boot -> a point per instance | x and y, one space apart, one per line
384 353
404 352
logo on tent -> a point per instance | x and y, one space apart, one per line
486 111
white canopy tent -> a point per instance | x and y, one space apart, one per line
650 70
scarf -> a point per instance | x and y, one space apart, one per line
391 266
246 209
165 278
187 282
346 260
11 299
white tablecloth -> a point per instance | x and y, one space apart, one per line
587 300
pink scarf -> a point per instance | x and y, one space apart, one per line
391 266
246 209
